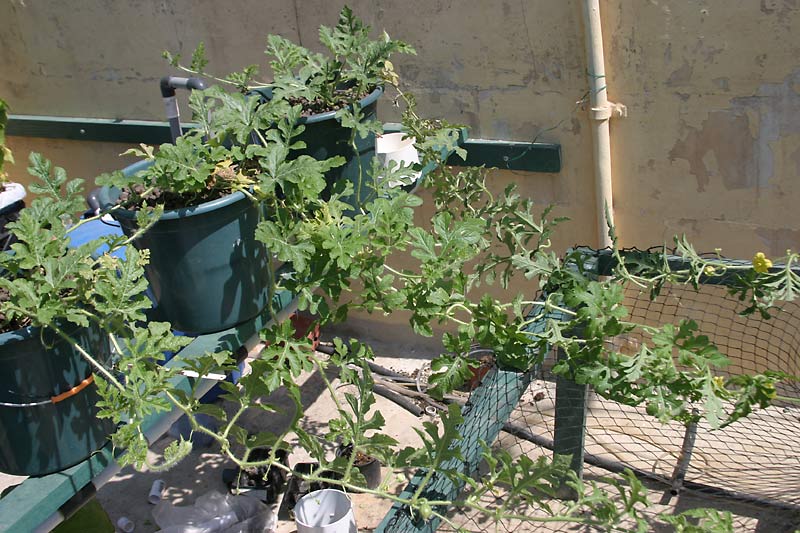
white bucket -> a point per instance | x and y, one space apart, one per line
325 511
393 147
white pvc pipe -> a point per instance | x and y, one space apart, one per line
599 116
325 511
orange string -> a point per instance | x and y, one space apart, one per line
73 391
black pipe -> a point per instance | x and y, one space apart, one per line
324 348
399 399
376 368
168 85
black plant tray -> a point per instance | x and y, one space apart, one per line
262 482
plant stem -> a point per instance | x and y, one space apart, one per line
234 419
401 274
325 379
458 305
96 364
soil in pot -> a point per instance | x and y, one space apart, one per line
486 360
302 325
168 199
260 482
13 325
369 466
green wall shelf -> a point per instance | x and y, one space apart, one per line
510 155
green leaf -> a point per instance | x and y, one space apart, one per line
199 60
448 373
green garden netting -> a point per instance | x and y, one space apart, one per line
751 468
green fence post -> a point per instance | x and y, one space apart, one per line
570 426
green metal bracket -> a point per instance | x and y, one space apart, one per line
487 410
510 155
570 427
28 505
89 129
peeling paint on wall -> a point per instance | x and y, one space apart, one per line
778 7
722 83
778 108
744 159
680 76
726 136
777 241
796 160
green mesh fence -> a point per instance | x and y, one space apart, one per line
751 468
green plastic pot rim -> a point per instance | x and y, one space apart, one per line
328 115
192 210
28 332
17 335
370 99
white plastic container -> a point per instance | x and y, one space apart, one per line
325 511
156 491
125 525
13 192
393 147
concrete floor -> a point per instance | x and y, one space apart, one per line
126 493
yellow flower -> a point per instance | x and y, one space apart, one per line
709 270
769 391
760 263
719 381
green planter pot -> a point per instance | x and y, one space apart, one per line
48 419
207 272
325 137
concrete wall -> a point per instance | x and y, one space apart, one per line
711 146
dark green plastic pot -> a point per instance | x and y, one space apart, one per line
37 436
207 272
325 137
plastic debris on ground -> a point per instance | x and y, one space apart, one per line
214 512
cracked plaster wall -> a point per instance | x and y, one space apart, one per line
711 146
